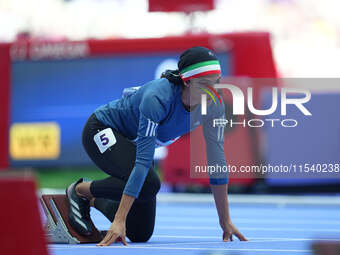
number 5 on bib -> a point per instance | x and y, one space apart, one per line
104 139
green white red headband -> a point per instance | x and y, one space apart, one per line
200 69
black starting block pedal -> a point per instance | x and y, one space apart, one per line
58 228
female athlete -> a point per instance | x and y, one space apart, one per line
121 136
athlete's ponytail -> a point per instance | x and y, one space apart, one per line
173 76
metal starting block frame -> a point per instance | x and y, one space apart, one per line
58 228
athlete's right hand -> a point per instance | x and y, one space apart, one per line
115 233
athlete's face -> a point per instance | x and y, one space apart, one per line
197 85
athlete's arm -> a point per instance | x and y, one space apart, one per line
214 138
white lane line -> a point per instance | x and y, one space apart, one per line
247 228
183 243
257 200
161 246
220 242
247 220
250 238
176 248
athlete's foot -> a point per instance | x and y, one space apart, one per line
79 210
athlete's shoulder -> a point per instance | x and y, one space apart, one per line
161 89
157 97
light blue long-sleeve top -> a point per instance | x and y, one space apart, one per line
154 115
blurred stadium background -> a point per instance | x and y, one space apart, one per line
55 55
60 59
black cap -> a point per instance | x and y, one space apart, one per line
195 55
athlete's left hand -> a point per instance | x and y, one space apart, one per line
229 230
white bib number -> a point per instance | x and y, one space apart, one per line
105 139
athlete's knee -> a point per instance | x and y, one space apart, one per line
140 237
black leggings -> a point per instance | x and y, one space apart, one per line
118 161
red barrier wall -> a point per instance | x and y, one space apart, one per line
4 103
21 226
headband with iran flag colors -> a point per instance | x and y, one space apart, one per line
196 62
200 69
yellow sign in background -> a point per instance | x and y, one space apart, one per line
39 140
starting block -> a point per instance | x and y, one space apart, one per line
58 228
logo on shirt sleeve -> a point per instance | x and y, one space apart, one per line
220 124
151 129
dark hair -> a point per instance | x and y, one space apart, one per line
173 77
